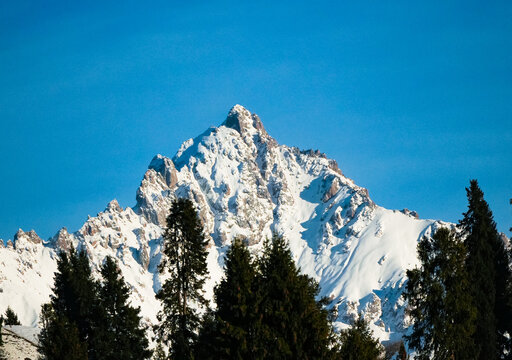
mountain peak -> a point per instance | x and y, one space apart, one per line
166 168
237 108
30 236
62 240
113 206
241 119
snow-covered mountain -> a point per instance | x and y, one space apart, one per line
243 183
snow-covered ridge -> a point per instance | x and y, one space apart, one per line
244 184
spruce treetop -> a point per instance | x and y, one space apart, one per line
10 317
490 276
184 262
439 299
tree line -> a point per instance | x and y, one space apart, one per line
265 308
89 319
460 297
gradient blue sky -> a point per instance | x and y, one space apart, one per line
412 99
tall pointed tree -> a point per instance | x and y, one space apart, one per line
59 337
86 309
439 300
184 265
233 330
358 343
490 277
123 334
296 325
75 303
10 317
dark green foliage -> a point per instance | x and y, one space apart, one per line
10 317
122 335
95 319
267 311
59 337
402 353
233 331
209 338
439 298
75 303
75 293
296 326
490 277
357 343
184 260
1 324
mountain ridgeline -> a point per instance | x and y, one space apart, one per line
243 184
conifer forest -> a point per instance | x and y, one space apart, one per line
459 302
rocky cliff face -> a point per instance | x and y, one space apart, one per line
243 183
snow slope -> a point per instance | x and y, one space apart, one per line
243 183
19 343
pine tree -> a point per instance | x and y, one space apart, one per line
357 342
233 330
86 311
123 335
296 325
10 317
439 300
59 337
490 277
207 346
184 261
75 303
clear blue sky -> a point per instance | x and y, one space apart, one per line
413 100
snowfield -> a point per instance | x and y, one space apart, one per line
243 183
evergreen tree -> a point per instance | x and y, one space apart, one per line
59 337
438 295
490 277
75 303
86 311
296 325
233 331
207 346
123 336
1 324
184 261
10 317
357 343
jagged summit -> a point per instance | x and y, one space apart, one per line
113 206
22 237
241 119
238 118
62 240
243 183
